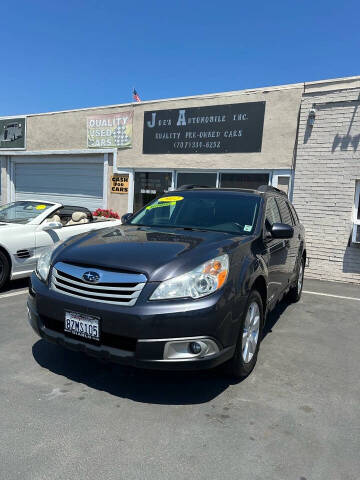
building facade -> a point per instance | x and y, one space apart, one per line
123 156
244 138
327 178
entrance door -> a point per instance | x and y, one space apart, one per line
148 185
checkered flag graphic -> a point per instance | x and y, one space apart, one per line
120 136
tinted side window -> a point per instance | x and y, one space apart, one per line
272 213
285 211
295 215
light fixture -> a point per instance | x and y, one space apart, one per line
312 115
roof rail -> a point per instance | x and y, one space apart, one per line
191 186
269 188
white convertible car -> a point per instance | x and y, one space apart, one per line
27 228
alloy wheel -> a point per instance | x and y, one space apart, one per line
251 332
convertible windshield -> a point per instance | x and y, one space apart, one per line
230 212
22 212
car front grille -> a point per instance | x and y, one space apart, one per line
111 287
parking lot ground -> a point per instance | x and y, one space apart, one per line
335 289
297 416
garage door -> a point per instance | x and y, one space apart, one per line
67 183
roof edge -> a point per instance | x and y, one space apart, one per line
341 83
231 93
312 86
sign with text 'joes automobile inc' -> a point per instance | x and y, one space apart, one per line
213 129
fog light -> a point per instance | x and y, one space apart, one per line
195 348
189 349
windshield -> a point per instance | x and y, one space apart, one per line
22 212
230 212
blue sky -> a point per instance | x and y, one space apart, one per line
73 54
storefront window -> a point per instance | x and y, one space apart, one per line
244 180
148 185
283 184
196 178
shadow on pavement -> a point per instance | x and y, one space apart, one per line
274 316
147 386
15 285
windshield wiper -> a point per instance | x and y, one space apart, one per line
177 227
189 229
194 229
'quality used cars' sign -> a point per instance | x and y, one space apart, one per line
212 129
110 131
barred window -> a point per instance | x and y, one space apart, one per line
356 226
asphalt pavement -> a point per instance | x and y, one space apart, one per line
297 416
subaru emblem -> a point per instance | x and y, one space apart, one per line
91 277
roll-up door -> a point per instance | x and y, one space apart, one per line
77 183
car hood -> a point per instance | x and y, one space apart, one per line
159 253
3 224
13 226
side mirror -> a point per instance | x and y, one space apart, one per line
282 230
125 218
52 226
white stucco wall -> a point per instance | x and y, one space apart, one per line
327 168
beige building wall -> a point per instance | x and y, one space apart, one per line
280 124
67 131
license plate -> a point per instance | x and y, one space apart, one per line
82 325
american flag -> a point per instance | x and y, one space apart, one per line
136 96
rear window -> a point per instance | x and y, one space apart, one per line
224 212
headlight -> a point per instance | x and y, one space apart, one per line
43 264
203 280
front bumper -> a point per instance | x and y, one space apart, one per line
136 336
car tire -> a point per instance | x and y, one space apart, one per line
4 270
248 343
295 291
